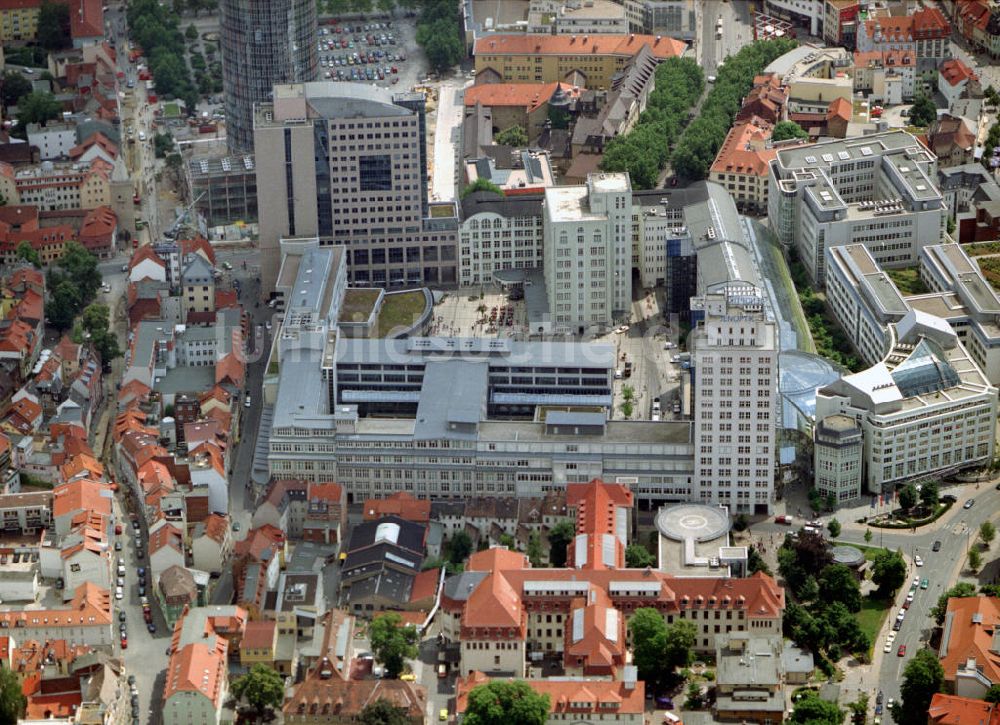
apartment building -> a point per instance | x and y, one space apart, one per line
888 77
925 31
742 165
734 355
876 190
561 17
368 190
840 22
25 513
56 187
498 234
925 410
592 61
587 250
85 618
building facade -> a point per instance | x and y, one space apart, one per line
355 175
838 448
263 42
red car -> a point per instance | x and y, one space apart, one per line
124 642
901 652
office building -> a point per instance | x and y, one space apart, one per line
865 301
588 252
875 190
925 31
263 42
734 356
806 13
675 18
498 233
355 175
925 409
560 17
838 444
224 188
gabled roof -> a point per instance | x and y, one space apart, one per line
402 504
166 535
200 245
567 696
952 710
82 465
146 252
216 528
494 603
839 108
261 543
198 667
954 71
229 369
970 625
563 45
81 495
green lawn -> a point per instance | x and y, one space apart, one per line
400 310
872 615
358 304
980 248
870 552
908 280
171 110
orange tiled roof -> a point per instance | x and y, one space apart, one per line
425 584
343 698
622 45
81 495
329 492
740 153
952 710
529 96
82 465
954 71
90 606
216 528
229 368
145 252
401 504
970 636
259 542
198 244
604 695
199 667
259 634
840 108
166 535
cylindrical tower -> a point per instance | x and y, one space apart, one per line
263 42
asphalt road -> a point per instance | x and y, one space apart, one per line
737 31
957 530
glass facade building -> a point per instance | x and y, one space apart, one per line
263 42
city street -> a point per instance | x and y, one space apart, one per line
957 530
737 31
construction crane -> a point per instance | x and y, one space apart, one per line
183 219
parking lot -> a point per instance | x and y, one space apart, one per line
382 52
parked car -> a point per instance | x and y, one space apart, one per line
969 504
936 546
902 650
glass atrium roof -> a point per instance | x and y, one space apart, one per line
926 370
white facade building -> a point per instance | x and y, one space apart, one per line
925 410
498 234
874 190
838 451
588 251
735 359
53 140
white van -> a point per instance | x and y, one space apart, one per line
670 719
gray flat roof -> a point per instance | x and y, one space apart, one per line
453 393
857 148
299 391
186 378
541 354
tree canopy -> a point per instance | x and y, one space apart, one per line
38 107
438 33
924 111
888 571
73 281
12 699
262 688
643 152
908 496
505 703
987 532
837 583
482 184
383 712
811 709
637 556
156 29
392 642
29 254
784 130
699 143
659 648
13 87
513 136
95 325
930 494
922 677
560 536
53 25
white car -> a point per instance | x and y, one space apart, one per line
916 581
119 593
246 403
909 596
888 647
918 561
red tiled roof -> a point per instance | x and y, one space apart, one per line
623 45
229 368
970 636
952 710
145 252
401 504
259 634
529 96
425 585
216 528
81 495
199 667
166 535
198 244
954 71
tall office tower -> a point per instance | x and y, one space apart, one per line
734 346
347 164
263 42
588 251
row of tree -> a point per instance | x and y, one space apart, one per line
643 152
438 32
362 7
696 149
156 29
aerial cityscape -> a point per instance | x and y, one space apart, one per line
499 362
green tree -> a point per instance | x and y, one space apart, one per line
922 677
513 136
442 45
908 497
924 111
678 642
992 694
888 571
628 393
29 254
975 560
482 184
930 494
383 712
459 547
13 87
96 322
756 563
811 709
694 698
191 33
834 528
262 688
960 590
987 532
560 536
838 584
53 25
868 536
38 107
504 703
784 130
12 699
637 556
534 550
508 541
62 305
648 630
392 642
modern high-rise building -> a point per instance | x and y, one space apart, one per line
263 42
355 174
